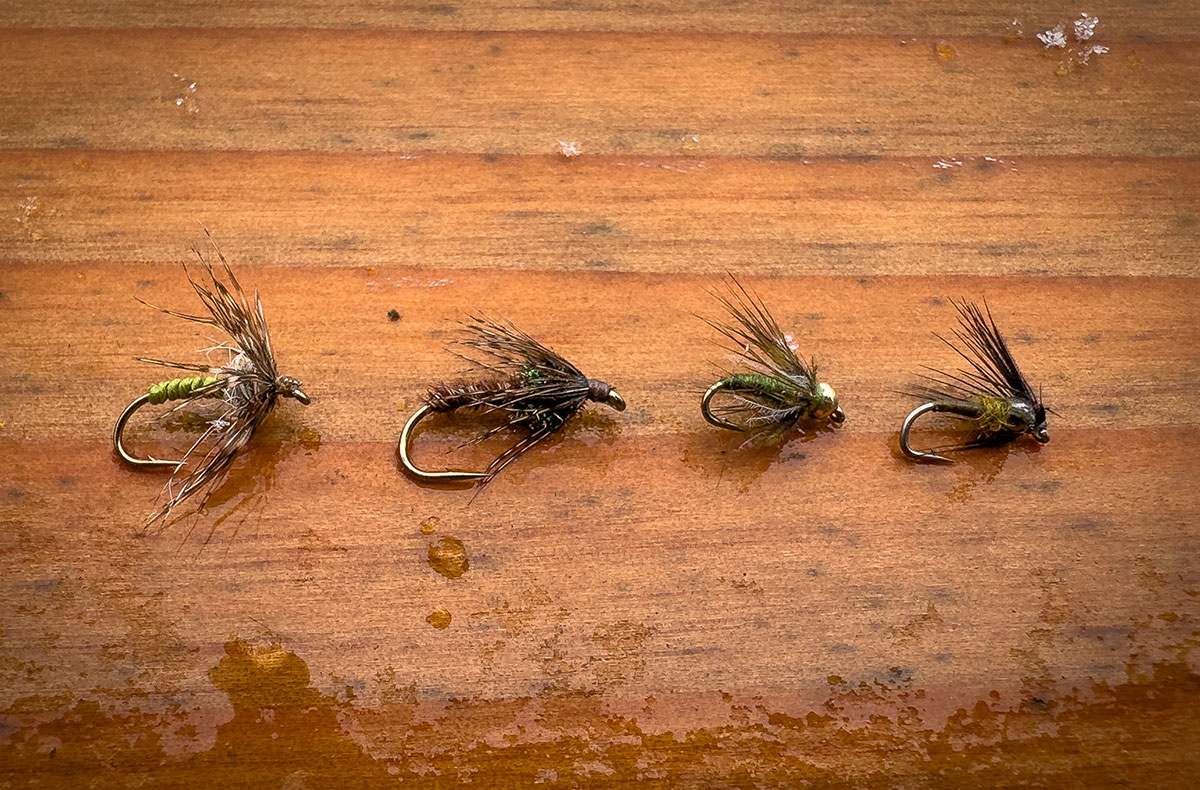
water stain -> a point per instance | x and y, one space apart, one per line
732 459
913 631
253 474
430 525
449 557
1143 731
439 619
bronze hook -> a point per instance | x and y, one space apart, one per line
706 410
402 448
150 462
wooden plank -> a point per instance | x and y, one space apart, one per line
689 613
503 93
630 214
1172 19
643 602
1076 337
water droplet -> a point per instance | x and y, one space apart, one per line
945 51
439 619
449 557
430 525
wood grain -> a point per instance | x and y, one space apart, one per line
1166 20
629 214
640 602
640 94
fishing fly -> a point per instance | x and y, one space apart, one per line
779 392
529 386
244 389
993 396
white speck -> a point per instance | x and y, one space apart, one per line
791 342
569 149
942 164
1091 49
1054 37
27 206
408 282
1085 26
186 97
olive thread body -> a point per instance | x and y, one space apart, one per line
178 389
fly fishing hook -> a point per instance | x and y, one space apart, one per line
780 392
530 386
993 396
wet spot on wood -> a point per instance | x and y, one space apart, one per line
449 557
439 619
595 229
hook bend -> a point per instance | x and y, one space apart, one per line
405 443
906 448
149 462
706 408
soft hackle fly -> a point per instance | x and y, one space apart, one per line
779 392
993 396
531 387
244 389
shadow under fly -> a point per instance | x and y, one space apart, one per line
777 394
528 386
993 397
237 395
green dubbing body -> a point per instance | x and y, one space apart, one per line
757 382
177 389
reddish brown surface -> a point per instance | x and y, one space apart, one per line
640 601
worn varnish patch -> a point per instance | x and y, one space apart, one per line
1144 731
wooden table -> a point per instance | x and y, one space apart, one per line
642 601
